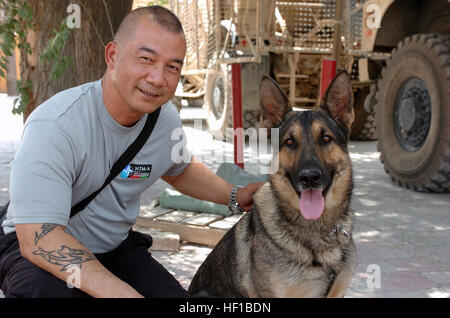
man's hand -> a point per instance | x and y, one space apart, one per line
244 195
199 182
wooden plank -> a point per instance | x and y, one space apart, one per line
363 68
288 75
293 62
2 85
176 216
190 233
305 100
194 72
151 213
203 219
226 223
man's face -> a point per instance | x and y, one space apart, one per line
147 68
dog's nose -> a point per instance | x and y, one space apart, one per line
310 177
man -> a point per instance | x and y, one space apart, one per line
68 147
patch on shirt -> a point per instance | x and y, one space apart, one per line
133 171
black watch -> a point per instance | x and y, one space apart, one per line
233 205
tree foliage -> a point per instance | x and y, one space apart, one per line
53 54
16 20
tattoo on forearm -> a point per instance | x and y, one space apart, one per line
46 228
65 256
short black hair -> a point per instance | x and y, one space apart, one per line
164 17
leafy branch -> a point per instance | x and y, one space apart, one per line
16 19
53 50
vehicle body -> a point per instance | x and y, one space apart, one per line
288 40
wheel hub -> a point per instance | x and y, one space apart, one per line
407 114
412 116
218 98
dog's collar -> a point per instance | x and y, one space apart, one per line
339 229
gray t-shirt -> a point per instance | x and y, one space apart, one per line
68 147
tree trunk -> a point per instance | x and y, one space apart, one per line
85 45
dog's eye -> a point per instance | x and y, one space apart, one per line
326 139
290 142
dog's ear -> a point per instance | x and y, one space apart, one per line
273 103
338 100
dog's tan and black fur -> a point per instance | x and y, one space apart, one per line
279 249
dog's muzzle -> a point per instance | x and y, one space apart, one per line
310 178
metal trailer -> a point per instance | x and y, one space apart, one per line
284 39
288 40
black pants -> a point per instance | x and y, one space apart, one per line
130 261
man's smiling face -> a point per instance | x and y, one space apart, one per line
147 68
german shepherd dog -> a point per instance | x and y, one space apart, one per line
297 241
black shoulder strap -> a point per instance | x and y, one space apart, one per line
124 160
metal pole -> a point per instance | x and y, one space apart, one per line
328 72
338 31
238 136
218 28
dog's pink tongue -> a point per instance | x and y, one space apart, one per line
311 204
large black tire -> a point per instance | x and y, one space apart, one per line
363 127
219 104
218 99
412 113
368 129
